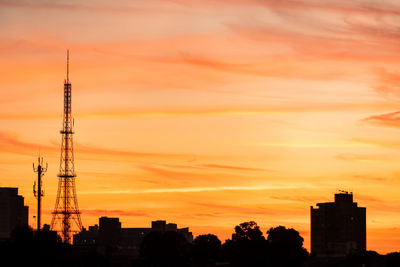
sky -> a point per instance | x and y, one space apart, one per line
207 113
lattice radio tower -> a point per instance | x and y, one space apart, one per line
66 211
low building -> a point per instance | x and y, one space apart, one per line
163 226
13 212
338 228
87 237
110 235
109 231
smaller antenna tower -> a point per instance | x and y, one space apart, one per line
38 187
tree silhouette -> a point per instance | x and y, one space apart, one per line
286 247
247 231
393 259
44 248
206 250
165 249
27 247
246 247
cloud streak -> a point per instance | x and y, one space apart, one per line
74 7
11 143
362 157
228 167
191 190
388 119
107 212
206 112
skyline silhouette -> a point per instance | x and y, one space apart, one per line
207 114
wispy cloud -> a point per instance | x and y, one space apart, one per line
11 143
363 157
337 6
191 189
386 143
240 168
107 212
77 6
90 149
389 119
175 176
204 112
306 199
370 178
388 84
238 209
333 144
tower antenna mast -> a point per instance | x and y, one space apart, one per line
67 66
66 210
38 191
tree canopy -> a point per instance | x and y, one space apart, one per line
165 249
206 250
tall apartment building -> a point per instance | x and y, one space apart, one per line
338 228
13 213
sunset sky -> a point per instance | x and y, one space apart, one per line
207 113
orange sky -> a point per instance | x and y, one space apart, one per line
207 113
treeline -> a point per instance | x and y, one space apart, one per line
248 247
44 248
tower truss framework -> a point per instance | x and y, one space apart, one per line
66 212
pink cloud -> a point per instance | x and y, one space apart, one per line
389 119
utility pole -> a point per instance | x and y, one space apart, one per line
38 188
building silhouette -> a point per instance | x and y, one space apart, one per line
109 234
13 212
109 231
338 228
